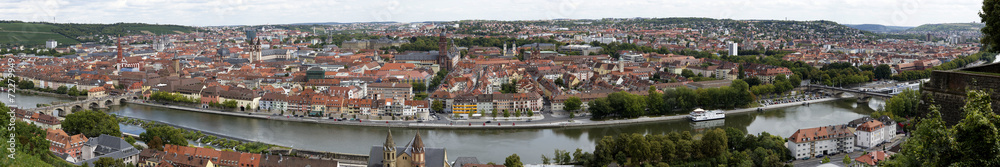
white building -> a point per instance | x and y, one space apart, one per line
734 49
51 44
870 134
419 108
824 140
889 128
633 57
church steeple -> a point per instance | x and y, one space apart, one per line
418 152
389 152
389 144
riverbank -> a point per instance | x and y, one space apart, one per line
349 158
478 125
50 94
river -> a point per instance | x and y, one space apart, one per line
488 145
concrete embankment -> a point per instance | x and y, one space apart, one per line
479 125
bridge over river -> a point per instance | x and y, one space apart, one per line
89 104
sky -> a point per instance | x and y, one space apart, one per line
259 12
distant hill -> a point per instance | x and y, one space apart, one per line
36 33
949 27
338 23
877 27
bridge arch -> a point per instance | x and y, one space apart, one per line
60 112
109 102
94 105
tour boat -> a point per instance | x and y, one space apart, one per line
702 115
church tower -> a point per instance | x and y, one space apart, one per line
418 152
443 60
255 51
389 152
120 60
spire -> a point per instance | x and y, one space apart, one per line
418 144
389 145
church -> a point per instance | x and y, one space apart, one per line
414 154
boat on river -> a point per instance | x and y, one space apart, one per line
703 115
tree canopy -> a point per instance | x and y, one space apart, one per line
91 124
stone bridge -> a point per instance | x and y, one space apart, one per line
64 109
862 95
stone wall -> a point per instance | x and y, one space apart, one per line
947 89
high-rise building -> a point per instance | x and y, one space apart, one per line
734 49
51 44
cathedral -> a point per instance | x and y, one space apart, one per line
121 63
414 154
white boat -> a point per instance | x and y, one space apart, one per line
702 115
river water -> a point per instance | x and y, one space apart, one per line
489 145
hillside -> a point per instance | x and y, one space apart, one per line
36 33
878 27
949 27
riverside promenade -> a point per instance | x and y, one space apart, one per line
462 124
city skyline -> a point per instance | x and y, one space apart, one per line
242 12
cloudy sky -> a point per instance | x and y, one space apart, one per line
256 12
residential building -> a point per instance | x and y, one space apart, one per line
391 90
871 159
419 108
826 140
870 134
64 145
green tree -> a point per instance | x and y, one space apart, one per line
156 143
229 104
109 162
825 160
904 104
545 160
494 113
437 105
883 71
572 103
25 84
654 100
91 124
847 159
513 161
62 89
419 86
686 99
73 91
976 136
506 113
990 16
168 134
715 143
687 73
795 80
